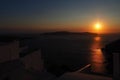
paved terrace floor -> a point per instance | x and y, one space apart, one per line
82 76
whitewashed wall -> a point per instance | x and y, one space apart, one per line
116 67
33 61
9 52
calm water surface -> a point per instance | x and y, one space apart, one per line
98 60
74 52
97 57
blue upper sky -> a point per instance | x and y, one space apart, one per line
58 14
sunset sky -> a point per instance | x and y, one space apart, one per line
60 15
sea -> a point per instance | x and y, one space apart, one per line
69 53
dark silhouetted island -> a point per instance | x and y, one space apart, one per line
69 33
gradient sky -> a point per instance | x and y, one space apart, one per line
57 15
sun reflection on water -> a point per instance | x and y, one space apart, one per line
97 38
97 58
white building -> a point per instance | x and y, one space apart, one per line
116 67
28 67
9 51
33 61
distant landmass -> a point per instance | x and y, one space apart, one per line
20 36
69 33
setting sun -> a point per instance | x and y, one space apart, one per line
97 26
